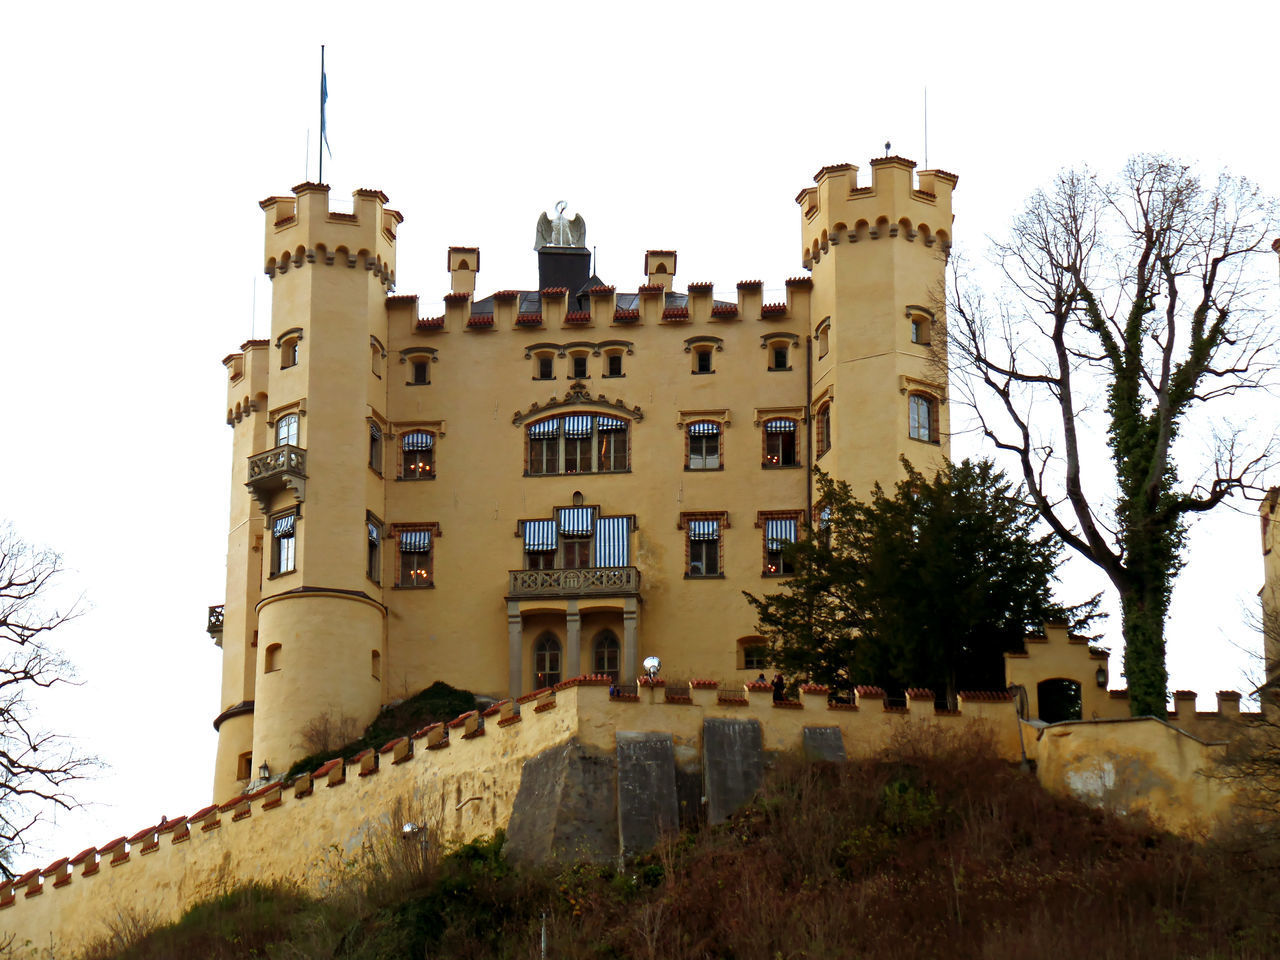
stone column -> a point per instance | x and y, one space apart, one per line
630 648
515 648
572 665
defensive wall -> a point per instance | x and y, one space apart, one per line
578 771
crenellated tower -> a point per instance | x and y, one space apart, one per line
303 523
877 255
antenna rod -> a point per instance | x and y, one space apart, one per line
320 175
307 162
926 128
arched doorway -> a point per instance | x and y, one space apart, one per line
546 661
606 655
1059 699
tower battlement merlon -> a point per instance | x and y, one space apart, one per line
302 230
839 210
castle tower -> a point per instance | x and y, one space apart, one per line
307 501
877 255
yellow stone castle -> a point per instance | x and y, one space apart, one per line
536 485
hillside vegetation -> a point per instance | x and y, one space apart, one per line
935 849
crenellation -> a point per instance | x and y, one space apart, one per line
750 299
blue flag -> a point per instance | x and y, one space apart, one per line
324 98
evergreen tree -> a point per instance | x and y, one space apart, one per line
927 588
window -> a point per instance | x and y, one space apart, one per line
421 371
578 443
779 358
606 655
545 369
922 412
414 569
824 337
373 568
282 544
613 365
271 659
244 766
376 355
546 661
289 353
579 365
780 442
577 539
417 455
702 361
778 532
921 326
704 548
375 664
375 447
287 430
755 655
824 428
704 446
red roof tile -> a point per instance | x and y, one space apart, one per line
773 309
750 283
480 320
651 288
577 316
724 310
506 294
622 316
602 290
701 287
529 319
800 282
555 292
675 313
456 297
430 323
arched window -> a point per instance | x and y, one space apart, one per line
922 411
417 455
289 353
271 661
287 430
546 661
824 428
606 655
1059 699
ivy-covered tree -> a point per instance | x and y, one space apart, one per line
927 588
1127 307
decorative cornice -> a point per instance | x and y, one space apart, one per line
577 396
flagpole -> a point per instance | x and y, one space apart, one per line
320 175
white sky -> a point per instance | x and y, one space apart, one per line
140 138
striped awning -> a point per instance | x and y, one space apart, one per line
283 527
612 541
780 425
539 536
375 431
374 533
704 529
545 429
577 426
418 440
778 532
704 429
576 521
610 423
415 541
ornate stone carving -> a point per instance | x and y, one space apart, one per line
587 582
283 467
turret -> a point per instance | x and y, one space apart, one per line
308 489
877 255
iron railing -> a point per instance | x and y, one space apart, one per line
588 581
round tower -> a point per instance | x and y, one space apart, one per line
304 561
877 254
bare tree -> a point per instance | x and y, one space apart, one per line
1126 307
36 766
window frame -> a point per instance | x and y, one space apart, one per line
545 646
930 403
702 357
579 361
721 518
599 666
692 440
424 459
782 446
279 555
781 568
555 450
779 349
427 567
376 532
295 420
610 360
377 453
822 429
549 359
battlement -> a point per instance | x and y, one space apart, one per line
839 210
302 230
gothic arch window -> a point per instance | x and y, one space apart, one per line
546 661
287 430
606 655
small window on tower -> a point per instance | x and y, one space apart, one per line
613 364
545 367
702 361
421 372
580 366
779 359
289 353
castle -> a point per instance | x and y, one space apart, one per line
403 481
534 485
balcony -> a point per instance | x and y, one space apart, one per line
215 621
587 582
282 467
